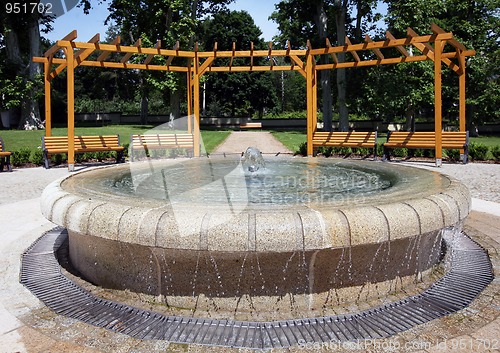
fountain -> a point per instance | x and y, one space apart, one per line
243 239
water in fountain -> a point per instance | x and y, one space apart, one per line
252 159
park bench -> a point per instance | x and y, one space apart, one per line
59 144
244 126
4 157
427 140
150 142
346 139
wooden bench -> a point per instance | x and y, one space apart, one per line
346 139
59 144
427 140
161 142
4 157
250 126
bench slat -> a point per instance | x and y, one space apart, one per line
427 140
161 141
100 143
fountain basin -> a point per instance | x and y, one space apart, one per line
226 241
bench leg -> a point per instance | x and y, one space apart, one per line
119 157
387 155
9 166
465 156
46 160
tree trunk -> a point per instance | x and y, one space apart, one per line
30 109
144 100
321 20
175 104
341 73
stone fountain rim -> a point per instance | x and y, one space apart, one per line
315 228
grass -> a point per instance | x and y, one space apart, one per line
16 139
291 139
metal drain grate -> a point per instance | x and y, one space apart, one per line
469 274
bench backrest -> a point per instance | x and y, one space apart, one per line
1 145
424 137
183 140
81 142
350 137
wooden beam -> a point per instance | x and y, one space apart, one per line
83 54
424 47
353 52
384 44
104 55
270 53
333 55
176 49
151 56
71 36
438 30
232 57
127 56
251 54
400 48
377 52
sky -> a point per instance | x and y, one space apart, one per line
88 25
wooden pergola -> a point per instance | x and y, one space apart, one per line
439 47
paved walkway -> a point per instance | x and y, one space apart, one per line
239 141
26 325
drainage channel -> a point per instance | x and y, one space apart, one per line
469 273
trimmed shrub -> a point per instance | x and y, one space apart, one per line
453 155
495 152
21 156
302 150
37 156
478 151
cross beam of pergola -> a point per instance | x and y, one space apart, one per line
439 47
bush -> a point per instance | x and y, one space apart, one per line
21 156
58 158
453 155
325 151
478 151
37 157
302 150
495 151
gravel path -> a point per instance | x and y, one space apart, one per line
482 179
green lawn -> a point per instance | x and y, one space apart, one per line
16 139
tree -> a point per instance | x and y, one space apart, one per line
475 24
299 20
21 42
169 21
242 93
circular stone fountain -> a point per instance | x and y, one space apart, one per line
290 237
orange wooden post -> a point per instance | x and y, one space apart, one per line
438 47
196 108
46 83
314 123
189 100
71 106
310 102
462 106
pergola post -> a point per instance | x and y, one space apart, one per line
189 100
48 111
196 108
71 106
438 47
462 101
310 102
